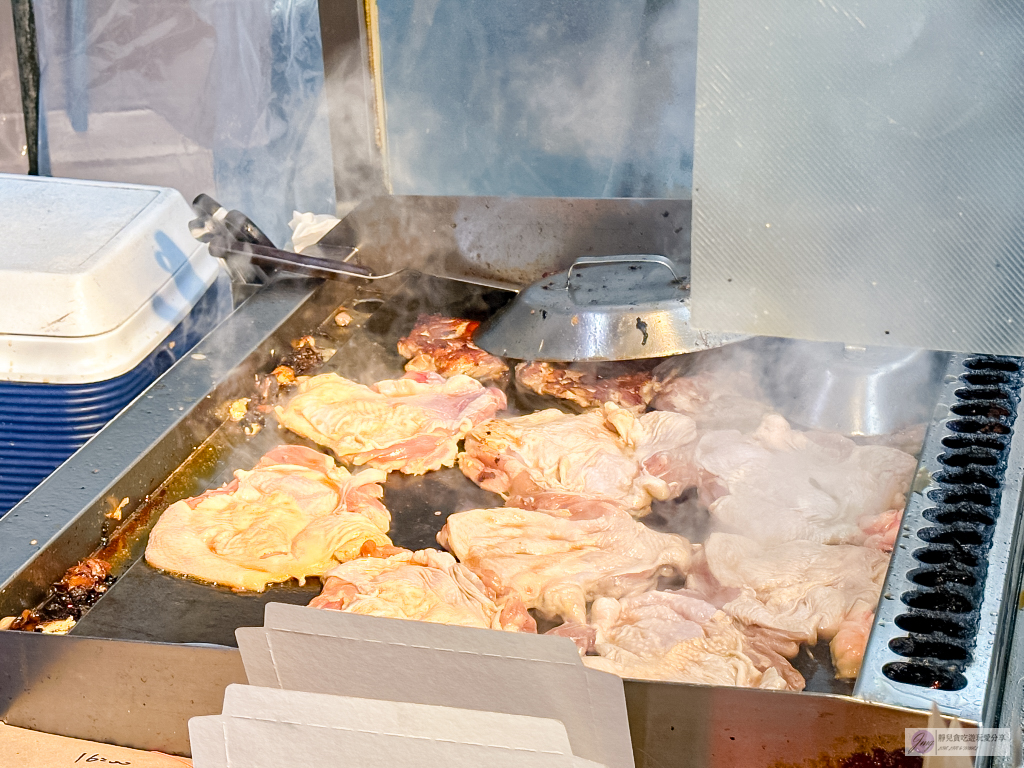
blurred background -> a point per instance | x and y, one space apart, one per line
586 98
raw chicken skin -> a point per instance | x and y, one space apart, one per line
779 484
604 453
445 345
717 399
678 637
557 563
666 449
851 640
802 589
411 425
426 585
294 515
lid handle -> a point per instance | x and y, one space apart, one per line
584 262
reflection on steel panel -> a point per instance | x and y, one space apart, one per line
590 98
138 695
859 172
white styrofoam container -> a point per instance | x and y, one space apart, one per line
93 276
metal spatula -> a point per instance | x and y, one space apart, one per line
622 307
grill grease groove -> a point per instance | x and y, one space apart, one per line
943 598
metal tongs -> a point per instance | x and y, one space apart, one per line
248 253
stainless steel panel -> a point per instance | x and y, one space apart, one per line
692 726
141 695
508 242
138 695
859 172
586 98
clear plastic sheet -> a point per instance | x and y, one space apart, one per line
217 96
13 157
859 172
577 98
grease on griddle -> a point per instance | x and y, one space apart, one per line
80 587
301 361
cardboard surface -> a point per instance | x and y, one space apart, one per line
466 668
22 747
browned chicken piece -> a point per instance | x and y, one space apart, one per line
607 453
677 636
584 384
445 345
294 515
558 562
805 590
411 425
426 585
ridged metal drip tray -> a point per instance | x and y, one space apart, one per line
952 582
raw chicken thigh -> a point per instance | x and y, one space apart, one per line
631 386
607 453
726 398
679 637
557 562
294 515
779 484
412 425
806 590
426 585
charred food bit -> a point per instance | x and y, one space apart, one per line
251 411
116 512
294 515
445 345
80 587
285 375
411 425
305 357
589 385
238 409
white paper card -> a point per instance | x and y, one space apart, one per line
208 741
374 658
259 743
398 718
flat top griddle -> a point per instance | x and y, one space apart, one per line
149 605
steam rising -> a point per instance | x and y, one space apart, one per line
533 98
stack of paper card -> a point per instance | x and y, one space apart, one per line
328 688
